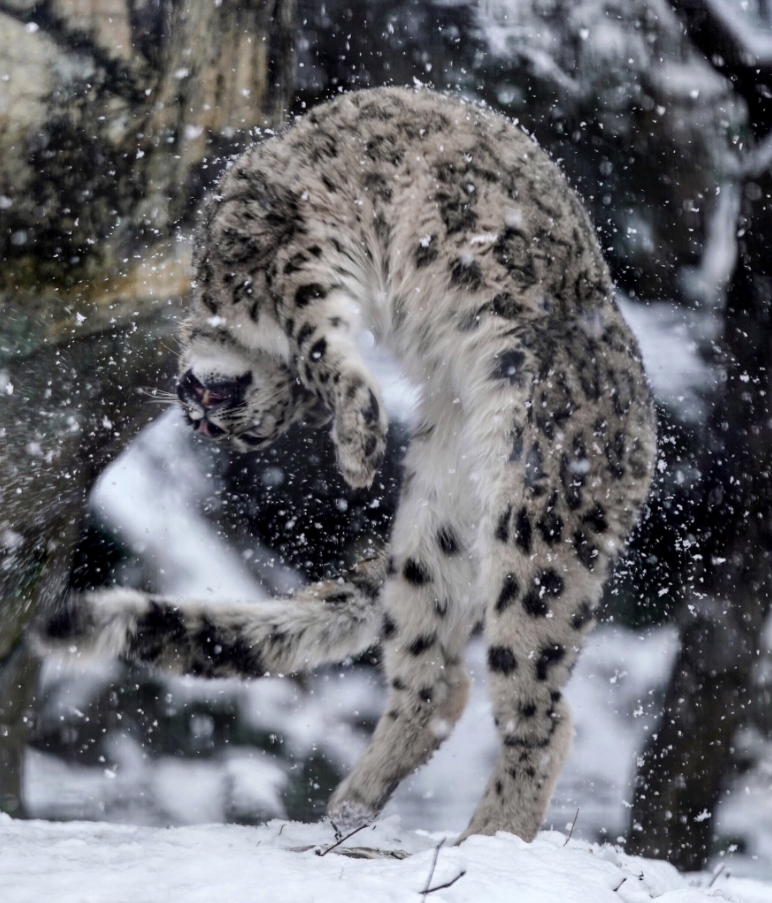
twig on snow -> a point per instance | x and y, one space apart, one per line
450 883
620 884
716 874
431 871
340 840
573 825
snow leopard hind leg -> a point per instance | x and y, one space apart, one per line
562 487
429 605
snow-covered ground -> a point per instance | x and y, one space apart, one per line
81 862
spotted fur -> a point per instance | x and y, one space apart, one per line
450 236
324 622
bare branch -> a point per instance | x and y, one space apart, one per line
450 883
340 840
573 825
754 44
758 160
717 873
719 30
735 48
431 871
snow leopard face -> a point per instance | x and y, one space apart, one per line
242 398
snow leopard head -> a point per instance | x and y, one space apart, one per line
241 398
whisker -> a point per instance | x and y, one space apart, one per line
173 350
238 408
156 393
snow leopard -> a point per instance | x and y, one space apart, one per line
442 230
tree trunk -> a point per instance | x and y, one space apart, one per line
686 762
115 109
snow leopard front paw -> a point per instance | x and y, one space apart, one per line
359 433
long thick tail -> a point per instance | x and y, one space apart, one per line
325 622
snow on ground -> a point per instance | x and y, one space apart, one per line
92 862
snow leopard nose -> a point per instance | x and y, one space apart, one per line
190 389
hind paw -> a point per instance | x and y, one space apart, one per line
348 810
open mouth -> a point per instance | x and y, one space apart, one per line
205 428
201 402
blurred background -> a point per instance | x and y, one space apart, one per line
116 118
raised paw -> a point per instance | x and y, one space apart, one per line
359 433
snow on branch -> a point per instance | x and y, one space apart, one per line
720 30
754 44
759 160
